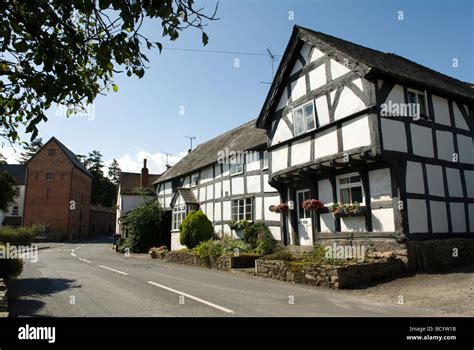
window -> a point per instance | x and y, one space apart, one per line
51 152
195 179
179 213
49 176
304 118
15 210
302 196
236 168
192 207
417 102
242 209
265 159
350 189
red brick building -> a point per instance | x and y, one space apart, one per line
58 191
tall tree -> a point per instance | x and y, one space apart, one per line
8 190
114 172
103 190
30 149
95 163
66 52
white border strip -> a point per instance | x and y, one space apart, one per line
110 269
192 297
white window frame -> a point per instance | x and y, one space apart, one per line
241 209
236 169
179 213
425 104
339 186
304 118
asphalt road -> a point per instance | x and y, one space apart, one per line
90 279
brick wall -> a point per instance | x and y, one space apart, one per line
48 200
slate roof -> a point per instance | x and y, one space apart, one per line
378 62
18 171
187 195
130 182
242 138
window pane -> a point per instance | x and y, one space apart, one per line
411 97
309 116
345 196
344 180
248 201
298 120
421 101
248 216
356 194
355 179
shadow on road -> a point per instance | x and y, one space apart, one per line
23 294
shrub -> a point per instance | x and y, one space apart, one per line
10 268
251 232
230 245
208 249
266 244
144 227
317 255
194 229
8 190
18 236
280 255
159 252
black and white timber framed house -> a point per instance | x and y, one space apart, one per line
226 178
347 124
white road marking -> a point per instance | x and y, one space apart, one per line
73 254
108 268
84 260
192 297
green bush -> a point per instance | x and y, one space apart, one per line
266 244
159 252
144 228
208 249
10 268
252 231
316 255
230 245
280 255
194 229
18 236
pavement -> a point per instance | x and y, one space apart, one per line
85 279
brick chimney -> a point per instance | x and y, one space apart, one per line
144 176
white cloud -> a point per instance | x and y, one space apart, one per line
156 162
11 154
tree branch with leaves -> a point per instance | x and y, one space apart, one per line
67 51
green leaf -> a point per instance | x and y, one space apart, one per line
205 39
115 87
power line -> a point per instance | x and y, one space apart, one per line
220 52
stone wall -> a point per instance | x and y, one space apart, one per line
225 262
3 299
439 254
329 275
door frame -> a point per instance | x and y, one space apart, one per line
310 234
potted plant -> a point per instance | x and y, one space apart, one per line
339 210
281 208
312 205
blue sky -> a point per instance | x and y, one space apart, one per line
143 118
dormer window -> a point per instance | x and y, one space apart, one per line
304 118
417 103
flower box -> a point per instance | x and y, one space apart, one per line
312 205
281 208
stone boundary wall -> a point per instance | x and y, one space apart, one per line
328 275
225 262
3 299
439 254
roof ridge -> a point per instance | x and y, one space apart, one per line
468 84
